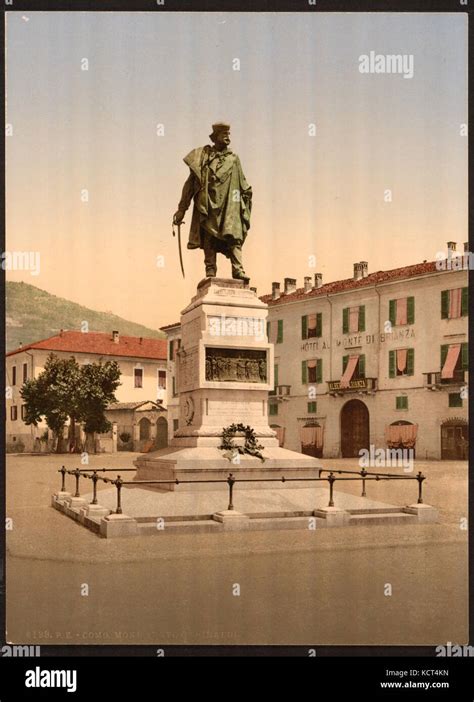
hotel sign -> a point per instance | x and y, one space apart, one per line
359 384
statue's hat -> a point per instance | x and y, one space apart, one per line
219 127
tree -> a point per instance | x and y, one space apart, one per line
65 389
96 390
52 395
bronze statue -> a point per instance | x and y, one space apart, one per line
222 202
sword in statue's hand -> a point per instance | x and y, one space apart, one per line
178 225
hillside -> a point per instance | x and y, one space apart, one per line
33 314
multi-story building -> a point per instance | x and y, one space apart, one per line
379 360
173 334
141 408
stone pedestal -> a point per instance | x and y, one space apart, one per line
224 372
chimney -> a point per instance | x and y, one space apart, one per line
275 291
364 268
466 247
290 285
357 271
451 245
307 283
318 280
61 332
141 340
115 337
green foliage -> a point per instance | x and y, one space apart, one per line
251 446
65 389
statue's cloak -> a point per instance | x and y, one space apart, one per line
222 197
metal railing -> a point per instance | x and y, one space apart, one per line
331 479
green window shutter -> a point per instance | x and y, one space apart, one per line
345 320
273 409
275 374
362 366
444 304
410 361
304 373
345 361
362 318
170 350
455 399
319 370
391 364
410 310
304 327
464 302
312 408
464 356
319 324
444 353
392 312
280 332
402 402
268 331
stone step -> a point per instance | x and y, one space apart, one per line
191 526
388 517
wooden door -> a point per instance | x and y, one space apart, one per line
354 428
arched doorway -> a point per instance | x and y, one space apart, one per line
454 440
354 428
161 433
144 426
280 433
311 437
402 435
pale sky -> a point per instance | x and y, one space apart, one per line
319 196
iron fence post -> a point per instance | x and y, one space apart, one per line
95 478
230 483
363 473
420 477
331 480
118 484
77 474
63 481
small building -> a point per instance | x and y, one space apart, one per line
143 368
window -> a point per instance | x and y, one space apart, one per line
454 361
25 372
454 303
23 412
401 362
13 375
275 373
138 376
455 399
353 319
173 346
279 338
268 330
272 409
401 311
311 325
175 424
359 370
173 385
312 407
13 413
162 379
401 402
312 371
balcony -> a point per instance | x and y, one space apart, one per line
434 381
281 392
357 385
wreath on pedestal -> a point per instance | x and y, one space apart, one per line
251 446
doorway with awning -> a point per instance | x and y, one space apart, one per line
312 439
